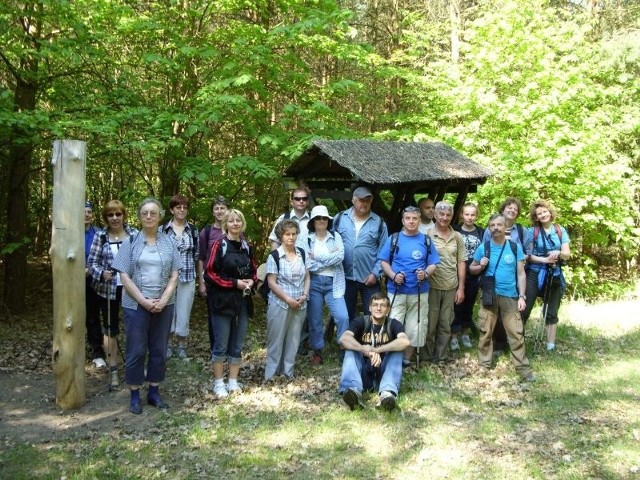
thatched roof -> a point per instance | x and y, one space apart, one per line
386 163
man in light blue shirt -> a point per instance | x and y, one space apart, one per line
363 234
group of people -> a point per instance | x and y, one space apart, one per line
416 288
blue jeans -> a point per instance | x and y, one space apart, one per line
211 319
351 297
321 292
357 373
146 331
230 333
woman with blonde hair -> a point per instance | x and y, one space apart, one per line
549 248
231 273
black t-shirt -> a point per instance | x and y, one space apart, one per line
375 335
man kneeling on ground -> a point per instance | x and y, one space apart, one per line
374 346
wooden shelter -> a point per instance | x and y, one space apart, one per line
396 172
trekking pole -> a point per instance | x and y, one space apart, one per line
109 332
545 308
419 336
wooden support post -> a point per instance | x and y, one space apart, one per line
67 261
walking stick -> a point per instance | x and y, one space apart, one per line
109 331
545 308
419 336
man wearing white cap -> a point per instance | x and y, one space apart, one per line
363 234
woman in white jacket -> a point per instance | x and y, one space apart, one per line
325 252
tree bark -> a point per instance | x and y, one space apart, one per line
19 165
67 261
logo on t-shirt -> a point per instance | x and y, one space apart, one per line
416 254
509 258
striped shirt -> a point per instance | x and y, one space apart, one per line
100 259
188 248
290 276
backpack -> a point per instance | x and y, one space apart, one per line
536 232
243 245
264 289
395 247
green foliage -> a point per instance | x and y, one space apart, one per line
544 103
185 97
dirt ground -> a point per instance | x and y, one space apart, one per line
28 410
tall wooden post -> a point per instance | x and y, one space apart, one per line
67 261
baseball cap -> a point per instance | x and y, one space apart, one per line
362 192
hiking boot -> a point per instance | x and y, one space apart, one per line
156 401
135 407
353 398
387 401
220 390
316 358
406 363
529 377
454 344
182 352
466 341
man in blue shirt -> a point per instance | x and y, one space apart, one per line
408 269
363 234
509 298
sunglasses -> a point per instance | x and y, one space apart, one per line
114 214
301 199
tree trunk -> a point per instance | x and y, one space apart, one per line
67 261
20 154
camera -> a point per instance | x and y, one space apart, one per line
246 292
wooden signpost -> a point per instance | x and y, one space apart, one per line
67 261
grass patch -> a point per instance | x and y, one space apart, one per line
580 420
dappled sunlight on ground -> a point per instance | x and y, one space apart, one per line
611 318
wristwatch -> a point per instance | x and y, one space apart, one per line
524 297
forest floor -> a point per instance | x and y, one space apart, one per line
29 415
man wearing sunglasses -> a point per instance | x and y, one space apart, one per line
299 213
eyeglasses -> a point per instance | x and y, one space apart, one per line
114 214
324 219
149 214
301 199
411 209
181 207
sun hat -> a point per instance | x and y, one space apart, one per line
319 211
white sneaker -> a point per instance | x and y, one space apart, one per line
466 341
220 391
99 362
551 347
454 344
237 388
